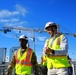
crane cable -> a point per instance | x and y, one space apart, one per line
58 26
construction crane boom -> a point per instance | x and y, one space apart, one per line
36 30
5 30
25 29
21 28
68 34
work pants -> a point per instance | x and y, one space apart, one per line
44 70
60 71
70 70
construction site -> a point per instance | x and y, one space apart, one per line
5 60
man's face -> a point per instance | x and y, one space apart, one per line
49 30
23 42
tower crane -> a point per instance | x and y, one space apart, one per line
35 30
25 29
9 28
31 30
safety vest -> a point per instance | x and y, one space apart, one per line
69 61
44 63
56 61
23 63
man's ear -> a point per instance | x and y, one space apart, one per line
53 28
27 41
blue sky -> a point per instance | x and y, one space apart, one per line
34 14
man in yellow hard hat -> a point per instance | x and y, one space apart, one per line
56 48
23 59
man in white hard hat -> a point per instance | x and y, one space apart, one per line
56 48
23 59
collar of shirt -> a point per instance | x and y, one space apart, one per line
22 50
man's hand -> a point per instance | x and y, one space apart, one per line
48 50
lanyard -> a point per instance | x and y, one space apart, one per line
51 43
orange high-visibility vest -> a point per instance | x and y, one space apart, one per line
23 63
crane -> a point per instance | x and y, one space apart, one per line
25 29
34 30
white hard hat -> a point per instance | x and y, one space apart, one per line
23 37
49 24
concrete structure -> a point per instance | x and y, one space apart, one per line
74 66
2 55
12 50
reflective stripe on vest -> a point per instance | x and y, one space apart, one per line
60 56
27 60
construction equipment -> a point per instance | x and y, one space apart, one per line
5 30
36 30
25 29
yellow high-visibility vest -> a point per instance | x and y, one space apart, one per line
69 61
56 61
23 63
44 60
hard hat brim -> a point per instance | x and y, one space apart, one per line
50 26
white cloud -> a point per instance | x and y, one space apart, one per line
14 20
19 10
9 20
4 20
6 13
41 38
